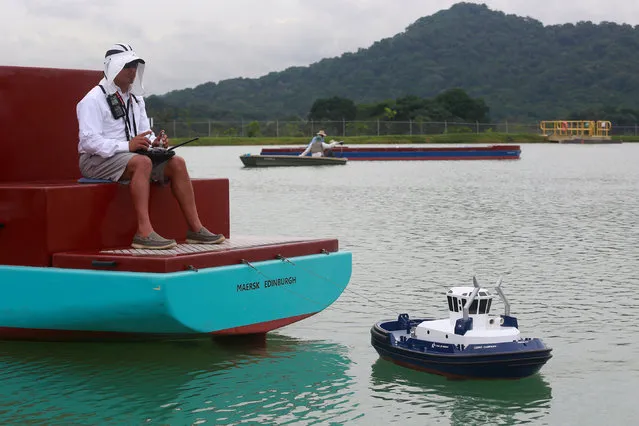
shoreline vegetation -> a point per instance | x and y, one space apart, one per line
451 138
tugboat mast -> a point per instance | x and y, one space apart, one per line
503 298
471 298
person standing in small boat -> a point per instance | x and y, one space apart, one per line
113 126
317 146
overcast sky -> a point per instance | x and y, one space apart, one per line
189 42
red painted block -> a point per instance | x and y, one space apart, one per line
43 210
39 123
23 226
38 220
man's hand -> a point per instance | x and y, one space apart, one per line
139 141
162 140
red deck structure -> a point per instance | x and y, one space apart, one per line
47 218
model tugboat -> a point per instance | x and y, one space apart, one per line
471 343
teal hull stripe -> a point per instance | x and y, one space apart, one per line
202 301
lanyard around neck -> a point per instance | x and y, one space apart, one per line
127 124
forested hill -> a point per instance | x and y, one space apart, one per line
522 69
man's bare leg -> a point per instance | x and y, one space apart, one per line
138 170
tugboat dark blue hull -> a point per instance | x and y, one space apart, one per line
510 360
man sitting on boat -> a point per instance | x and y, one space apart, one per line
317 146
113 126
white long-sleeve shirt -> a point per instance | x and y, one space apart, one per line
324 146
100 133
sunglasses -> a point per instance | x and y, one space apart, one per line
133 64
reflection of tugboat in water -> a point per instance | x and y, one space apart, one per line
471 343
503 401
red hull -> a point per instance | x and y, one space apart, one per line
47 335
496 157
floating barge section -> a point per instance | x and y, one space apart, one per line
67 271
399 153
586 132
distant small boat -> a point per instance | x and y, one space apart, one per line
469 344
251 160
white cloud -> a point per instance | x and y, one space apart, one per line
190 42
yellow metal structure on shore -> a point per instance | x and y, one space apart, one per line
576 130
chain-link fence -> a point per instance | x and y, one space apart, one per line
276 128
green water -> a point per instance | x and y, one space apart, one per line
171 383
561 224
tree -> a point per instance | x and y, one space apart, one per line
463 106
333 109
390 113
253 129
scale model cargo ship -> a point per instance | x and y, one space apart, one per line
66 269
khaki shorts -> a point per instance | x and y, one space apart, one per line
112 168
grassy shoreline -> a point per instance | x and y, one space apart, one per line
456 138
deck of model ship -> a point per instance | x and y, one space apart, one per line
235 250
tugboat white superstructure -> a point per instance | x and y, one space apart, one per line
471 343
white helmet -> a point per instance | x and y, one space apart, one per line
115 59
